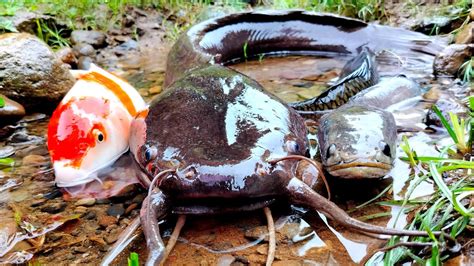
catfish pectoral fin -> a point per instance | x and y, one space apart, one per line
154 208
302 194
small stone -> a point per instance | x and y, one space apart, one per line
94 38
90 215
155 90
80 210
465 35
66 54
84 49
262 249
34 160
54 207
10 111
38 202
102 201
80 249
84 62
107 220
257 258
110 239
6 151
241 259
225 260
116 210
85 202
451 58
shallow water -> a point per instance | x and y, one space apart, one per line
28 195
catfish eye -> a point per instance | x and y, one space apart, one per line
99 136
149 153
292 146
386 150
331 151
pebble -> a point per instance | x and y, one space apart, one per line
80 210
90 215
54 207
110 239
155 90
84 62
106 220
262 249
79 249
225 260
85 202
38 202
33 160
84 49
257 258
6 151
116 210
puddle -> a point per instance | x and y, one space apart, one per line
302 237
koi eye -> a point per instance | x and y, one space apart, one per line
292 146
99 136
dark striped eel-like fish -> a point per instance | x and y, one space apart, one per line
358 74
230 38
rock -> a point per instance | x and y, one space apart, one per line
110 239
79 249
116 210
24 21
54 207
94 38
451 58
106 220
30 72
434 25
80 210
465 35
38 202
34 160
85 202
6 151
445 106
155 90
84 49
84 62
66 54
90 215
10 111
225 260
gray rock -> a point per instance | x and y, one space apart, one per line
94 38
84 62
54 207
84 49
116 210
25 21
10 111
30 72
451 58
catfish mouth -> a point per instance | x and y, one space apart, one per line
358 170
218 205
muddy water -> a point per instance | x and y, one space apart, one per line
82 232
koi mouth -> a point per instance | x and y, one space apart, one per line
358 170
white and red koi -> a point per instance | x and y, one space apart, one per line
90 128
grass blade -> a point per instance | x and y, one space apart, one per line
445 123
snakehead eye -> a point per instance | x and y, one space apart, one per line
386 150
331 151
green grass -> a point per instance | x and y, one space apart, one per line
466 70
133 259
448 207
2 102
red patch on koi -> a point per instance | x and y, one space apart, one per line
70 136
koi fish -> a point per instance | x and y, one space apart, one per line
90 128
